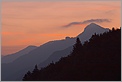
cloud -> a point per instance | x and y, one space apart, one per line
73 23
88 21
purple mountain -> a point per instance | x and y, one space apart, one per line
46 53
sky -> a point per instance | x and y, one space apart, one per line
27 23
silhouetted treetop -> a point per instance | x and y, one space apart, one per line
98 59
77 46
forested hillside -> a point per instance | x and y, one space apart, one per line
98 59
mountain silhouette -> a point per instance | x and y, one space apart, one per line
98 59
43 52
84 36
56 56
12 57
90 30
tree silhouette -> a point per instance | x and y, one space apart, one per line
35 69
99 59
27 76
77 47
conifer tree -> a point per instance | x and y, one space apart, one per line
77 46
27 76
35 69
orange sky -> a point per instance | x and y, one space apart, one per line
34 23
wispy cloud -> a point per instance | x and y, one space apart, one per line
88 21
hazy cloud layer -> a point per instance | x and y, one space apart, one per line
88 21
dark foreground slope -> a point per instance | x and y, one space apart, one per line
96 60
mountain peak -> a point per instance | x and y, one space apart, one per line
93 25
90 30
31 46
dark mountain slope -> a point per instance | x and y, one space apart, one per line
96 60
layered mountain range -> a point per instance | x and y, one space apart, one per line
11 57
16 65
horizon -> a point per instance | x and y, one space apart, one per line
61 18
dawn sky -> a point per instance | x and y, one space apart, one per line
34 23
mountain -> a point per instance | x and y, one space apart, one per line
84 36
96 60
56 56
90 30
43 52
12 57
35 56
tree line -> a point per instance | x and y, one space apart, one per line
98 59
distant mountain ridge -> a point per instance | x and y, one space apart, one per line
45 51
54 57
14 56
